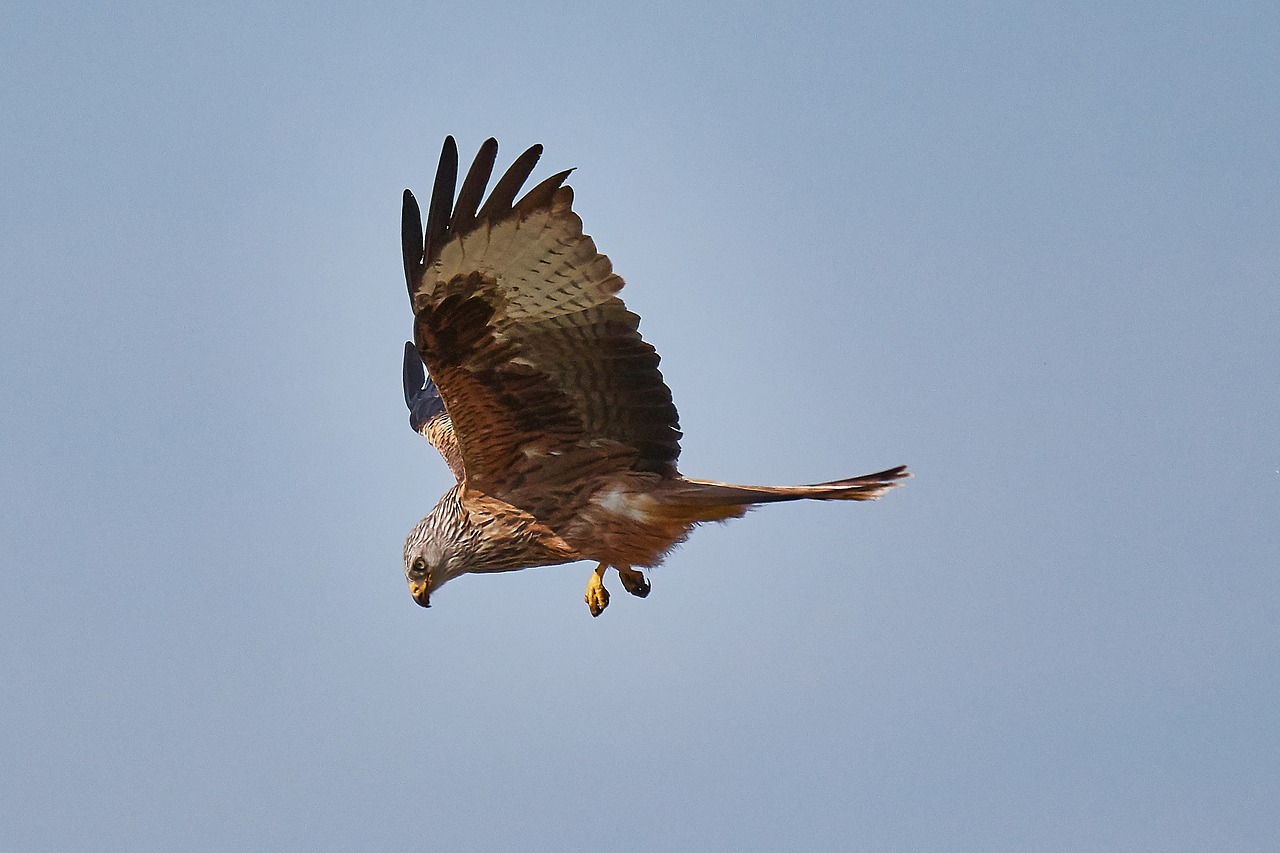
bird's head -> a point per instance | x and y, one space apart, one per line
432 552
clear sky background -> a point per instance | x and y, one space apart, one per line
1031 250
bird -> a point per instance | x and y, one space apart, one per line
530 377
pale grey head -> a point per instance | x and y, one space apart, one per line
437 549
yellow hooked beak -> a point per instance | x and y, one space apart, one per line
421 592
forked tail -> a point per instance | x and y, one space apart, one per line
706 500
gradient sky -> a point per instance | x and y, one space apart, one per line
1031 250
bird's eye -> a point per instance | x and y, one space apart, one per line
419 565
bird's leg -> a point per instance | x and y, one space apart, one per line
597 595
634 582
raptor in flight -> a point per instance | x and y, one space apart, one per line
542 397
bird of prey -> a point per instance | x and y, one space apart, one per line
542 397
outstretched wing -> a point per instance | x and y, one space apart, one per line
426 411
540 365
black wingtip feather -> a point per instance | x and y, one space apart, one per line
420 393
504 192
441 201
411 241
472 192
415 375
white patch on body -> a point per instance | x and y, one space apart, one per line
619 502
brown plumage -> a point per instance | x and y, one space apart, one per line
566 434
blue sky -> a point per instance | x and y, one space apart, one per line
1029 250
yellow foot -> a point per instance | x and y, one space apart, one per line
634 582
597 596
